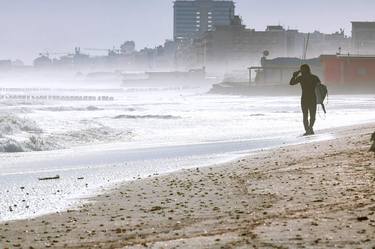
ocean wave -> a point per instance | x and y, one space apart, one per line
90 136
11 124
146 117
159 89
11 146
70 108
33 143
65 140
93 108
23 135
14 102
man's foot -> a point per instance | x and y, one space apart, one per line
309 132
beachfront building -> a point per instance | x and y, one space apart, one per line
348 69
363 37
195 17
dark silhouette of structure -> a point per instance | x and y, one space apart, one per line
308 82
372 149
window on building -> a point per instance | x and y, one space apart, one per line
362 72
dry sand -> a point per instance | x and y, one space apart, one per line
319 195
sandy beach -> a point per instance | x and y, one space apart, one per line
316 195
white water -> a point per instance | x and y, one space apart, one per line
141 133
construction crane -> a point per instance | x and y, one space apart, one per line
111 52
48 54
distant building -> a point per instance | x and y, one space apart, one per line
229 47
348 69
42 61
320 43
363 37
279 70
195 17
5 65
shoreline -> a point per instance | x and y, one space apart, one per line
35 198
282 197
247 89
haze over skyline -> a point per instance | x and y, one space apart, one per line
28 27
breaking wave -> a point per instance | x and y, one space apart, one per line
64 140
23 135
160 88
146 117
20 103
10 124
82 109
10 146
70 108
90 136
33 143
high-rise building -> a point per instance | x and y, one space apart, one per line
194 17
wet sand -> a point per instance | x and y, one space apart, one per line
318 195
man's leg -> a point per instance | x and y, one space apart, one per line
312 110
305 112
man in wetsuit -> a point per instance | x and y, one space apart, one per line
308 83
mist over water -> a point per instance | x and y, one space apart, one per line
154 116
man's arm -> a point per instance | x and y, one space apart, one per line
295 79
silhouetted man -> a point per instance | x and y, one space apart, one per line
308 83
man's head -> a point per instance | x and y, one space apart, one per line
305 69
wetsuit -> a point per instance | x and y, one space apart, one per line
308 100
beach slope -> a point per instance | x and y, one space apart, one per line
316 195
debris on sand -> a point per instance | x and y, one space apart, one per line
49 178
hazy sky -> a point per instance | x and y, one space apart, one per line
28 27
